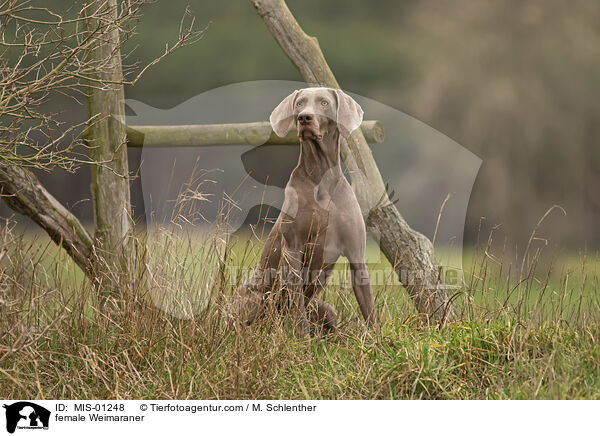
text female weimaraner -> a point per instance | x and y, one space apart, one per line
320 219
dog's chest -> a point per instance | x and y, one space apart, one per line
322 196
310 198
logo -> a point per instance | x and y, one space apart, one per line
239 189
26 415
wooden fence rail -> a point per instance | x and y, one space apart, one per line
202 135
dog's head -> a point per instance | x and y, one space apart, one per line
315 112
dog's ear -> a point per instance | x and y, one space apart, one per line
349 113
282 117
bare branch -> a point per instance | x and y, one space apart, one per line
42 54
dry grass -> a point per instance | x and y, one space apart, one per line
529 335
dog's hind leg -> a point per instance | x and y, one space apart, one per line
322 317
251 297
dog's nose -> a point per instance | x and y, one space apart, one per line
305 118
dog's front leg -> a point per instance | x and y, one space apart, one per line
294 279
361 285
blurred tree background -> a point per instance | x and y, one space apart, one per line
515 82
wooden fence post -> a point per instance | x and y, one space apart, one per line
410 252
106 137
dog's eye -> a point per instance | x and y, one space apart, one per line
324 102
299 103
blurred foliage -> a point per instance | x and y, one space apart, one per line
357 39
516 82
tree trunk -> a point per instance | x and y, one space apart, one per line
106 137
23 193
410 252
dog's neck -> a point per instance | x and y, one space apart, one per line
318 156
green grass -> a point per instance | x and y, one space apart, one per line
519 337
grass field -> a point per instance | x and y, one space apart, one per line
528 335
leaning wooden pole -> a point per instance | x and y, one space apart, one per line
23 192
410 252
106 138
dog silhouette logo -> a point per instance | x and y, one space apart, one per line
26 415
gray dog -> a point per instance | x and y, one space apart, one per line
320 219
